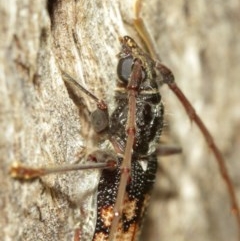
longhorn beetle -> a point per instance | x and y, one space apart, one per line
129 166
133 129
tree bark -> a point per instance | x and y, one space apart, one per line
41 124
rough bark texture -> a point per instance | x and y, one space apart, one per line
41 125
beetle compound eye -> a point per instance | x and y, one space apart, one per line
124 69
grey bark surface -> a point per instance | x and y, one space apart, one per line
41 125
